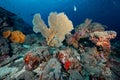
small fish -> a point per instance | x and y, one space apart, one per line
75 9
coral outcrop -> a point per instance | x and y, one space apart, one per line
102 39
93 43
84 55
59 26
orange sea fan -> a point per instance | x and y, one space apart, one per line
6 34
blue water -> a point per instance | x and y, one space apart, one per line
106 12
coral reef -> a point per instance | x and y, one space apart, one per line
59 25
89 37
86 54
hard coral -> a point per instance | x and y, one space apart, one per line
59 24
17 37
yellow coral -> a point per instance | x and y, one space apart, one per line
6 34
59 26
17 36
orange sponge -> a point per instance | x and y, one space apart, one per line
17 36
6 34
